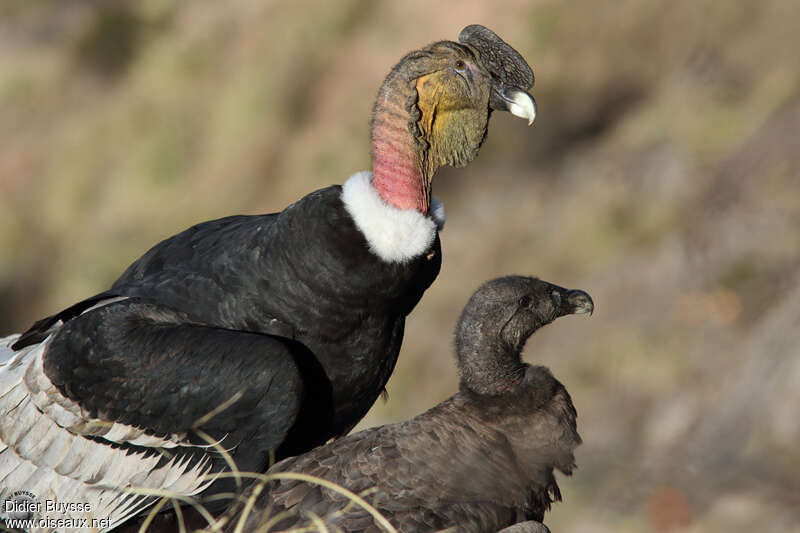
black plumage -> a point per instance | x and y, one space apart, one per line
478 462
292 320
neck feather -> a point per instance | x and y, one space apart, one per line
397 160
488 366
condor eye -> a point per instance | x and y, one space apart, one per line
460 65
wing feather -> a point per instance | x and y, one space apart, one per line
41 452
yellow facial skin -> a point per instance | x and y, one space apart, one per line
453 101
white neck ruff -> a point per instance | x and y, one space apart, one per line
395 235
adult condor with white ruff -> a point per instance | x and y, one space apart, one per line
478 462
286 326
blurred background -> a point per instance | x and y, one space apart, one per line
662 175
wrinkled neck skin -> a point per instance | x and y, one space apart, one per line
488 365
398 147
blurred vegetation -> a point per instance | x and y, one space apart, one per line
662 176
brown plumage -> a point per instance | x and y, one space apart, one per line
480 461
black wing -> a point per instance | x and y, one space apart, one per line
146 365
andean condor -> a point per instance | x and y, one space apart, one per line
480 461
285 326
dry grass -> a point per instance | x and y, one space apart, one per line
268 520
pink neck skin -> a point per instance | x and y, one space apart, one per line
396 170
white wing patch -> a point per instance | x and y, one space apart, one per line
43 449
395 235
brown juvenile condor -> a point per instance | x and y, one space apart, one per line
479 462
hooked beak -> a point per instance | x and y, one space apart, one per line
516 101
571 301
580 302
